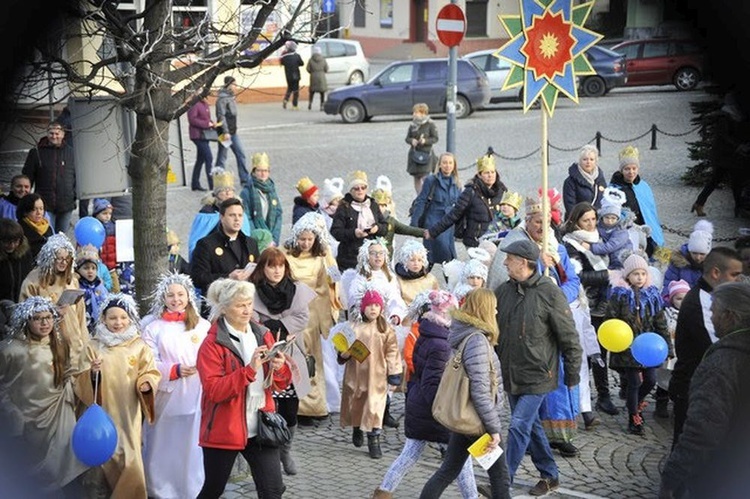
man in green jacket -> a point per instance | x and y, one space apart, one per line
536 328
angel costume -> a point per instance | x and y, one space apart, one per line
127 362
73 325
172 458
365 387
39 412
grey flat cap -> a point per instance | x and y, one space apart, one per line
524 248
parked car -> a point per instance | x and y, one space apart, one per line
497 71
609 66
404 83
663 61
347 64
610 72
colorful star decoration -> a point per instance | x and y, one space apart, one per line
547 50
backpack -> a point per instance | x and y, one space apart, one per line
459 228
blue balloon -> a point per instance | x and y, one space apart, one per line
649 349
89 230
94 437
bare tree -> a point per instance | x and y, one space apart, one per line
158 71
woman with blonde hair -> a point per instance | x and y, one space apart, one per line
474 330
436 199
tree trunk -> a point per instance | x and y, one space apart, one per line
148 171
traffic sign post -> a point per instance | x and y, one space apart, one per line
450 26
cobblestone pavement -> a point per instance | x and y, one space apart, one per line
612 463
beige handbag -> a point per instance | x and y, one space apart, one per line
452 406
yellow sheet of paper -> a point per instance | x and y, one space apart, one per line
486 458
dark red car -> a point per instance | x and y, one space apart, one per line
663 61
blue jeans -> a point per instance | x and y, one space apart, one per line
239 154
455 460
526 432
60 222
203 157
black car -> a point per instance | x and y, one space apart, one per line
610 72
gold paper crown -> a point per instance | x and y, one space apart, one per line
87 253
306 187
223 179
486 163
629 156
533 205
261 159
513 199
172 238
357 177
381 196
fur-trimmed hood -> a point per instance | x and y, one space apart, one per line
20 250
681 259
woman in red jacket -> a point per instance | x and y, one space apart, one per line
232 364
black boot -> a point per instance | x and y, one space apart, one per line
285 454
662 401
389 420
373 446
358 438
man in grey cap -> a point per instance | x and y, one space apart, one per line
536 328
226 113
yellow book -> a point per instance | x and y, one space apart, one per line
359 351
484 456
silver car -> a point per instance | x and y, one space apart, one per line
347 64
497 71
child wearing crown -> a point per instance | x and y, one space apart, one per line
307 201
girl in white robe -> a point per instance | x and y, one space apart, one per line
172 459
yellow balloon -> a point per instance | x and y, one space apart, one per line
615 335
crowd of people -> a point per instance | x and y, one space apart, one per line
353 315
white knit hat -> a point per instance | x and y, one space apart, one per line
701 237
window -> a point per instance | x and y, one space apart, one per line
360 12
433 71
659 49
336 49
466 71
630 51
481 61
399 74
476 17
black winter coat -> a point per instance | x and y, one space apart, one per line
342 229
431 353
13 270
213 257
576 189
292 62
594 282
691 340
36 241
302 207
53 175
478 204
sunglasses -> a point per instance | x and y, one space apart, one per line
359 188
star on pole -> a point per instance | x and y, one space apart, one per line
547 50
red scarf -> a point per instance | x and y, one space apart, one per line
173 316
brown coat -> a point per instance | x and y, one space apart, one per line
365 386
318 67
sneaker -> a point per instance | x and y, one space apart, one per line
544 486
566 449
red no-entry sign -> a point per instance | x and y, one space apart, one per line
450 25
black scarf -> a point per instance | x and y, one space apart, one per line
407 274
276 298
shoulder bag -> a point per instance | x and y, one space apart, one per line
210 134
423 216
272 430
452 406
419 157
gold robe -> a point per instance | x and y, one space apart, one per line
40 412
73 324
365 385
410 288
124 368
312 271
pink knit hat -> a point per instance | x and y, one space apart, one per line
369 298
633 262
441 302
676 287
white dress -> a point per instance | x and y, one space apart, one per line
172 459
